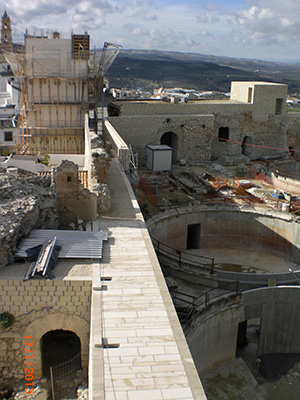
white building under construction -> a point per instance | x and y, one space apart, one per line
53 75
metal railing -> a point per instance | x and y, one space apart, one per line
202 301
182 256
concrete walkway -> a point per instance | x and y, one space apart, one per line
137 348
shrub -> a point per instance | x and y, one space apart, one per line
6 319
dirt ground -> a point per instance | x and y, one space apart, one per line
205 183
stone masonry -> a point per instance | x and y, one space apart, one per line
255 114
73 201
39 306
25 203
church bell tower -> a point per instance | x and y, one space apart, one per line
6 33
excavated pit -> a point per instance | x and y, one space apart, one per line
248 241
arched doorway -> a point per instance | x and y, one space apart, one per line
58 346
171 139
246 149
57 321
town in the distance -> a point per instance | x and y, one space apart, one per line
149 224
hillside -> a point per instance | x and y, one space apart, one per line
148 69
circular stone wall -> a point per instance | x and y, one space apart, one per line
277 234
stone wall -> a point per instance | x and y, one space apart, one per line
194 134
24 204
40 306
158 108
197 125
73 201
263 96
293 137
266 232
100 166
212 334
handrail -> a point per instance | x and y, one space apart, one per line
192 306
207 294
175 294
179 254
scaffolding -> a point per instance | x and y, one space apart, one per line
99 65
59 81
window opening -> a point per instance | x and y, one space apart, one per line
223 134
278 108
8 136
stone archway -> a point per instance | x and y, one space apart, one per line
171 139
56 321
58 346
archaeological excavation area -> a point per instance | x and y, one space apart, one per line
233 275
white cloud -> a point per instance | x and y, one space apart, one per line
202 18
161 39
34 8
205 33
215 19
145 14
268 22
212 7
120 8
251 28
25 11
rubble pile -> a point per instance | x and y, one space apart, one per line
100 165
25 203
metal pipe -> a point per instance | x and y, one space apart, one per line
212 266
52 383
295 276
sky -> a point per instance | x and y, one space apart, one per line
257 29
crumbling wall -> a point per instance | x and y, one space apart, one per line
100 168
100 165
25 204
263 135
194 133
198 134
293 137
73 201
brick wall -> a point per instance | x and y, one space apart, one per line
20 297
40 306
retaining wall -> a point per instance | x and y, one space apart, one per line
275 233
212 334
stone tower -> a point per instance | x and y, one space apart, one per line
6 33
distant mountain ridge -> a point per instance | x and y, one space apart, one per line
147 69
